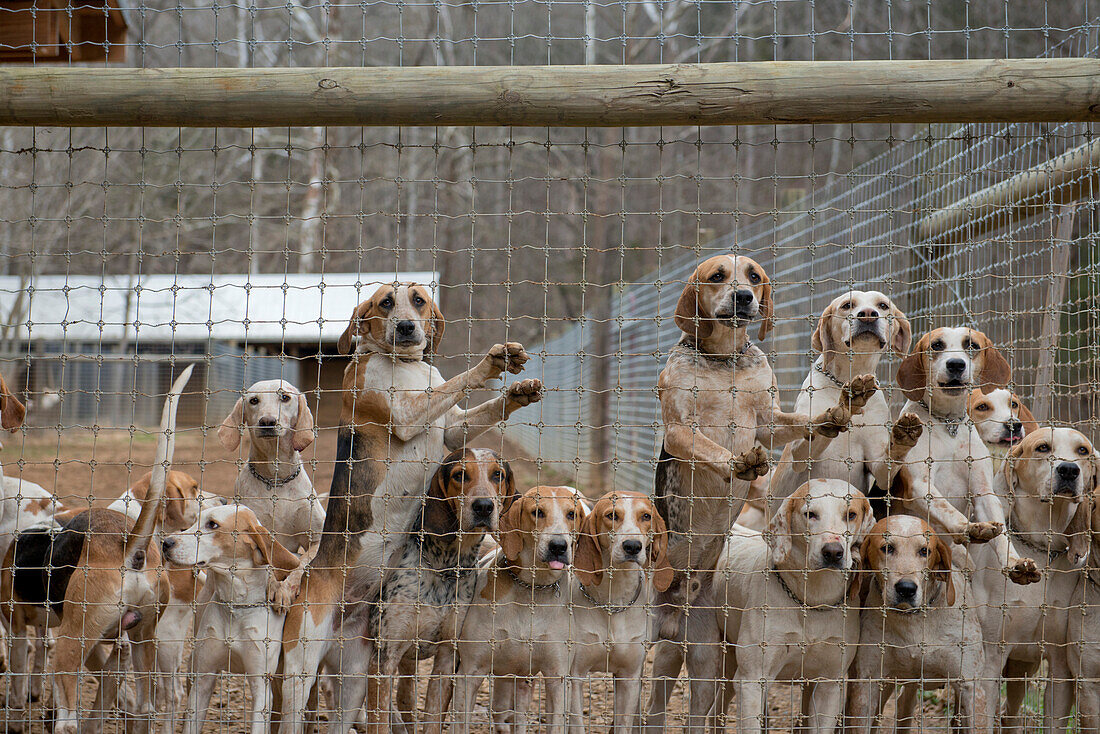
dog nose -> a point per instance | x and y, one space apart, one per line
557 548
744 298
905 589
405 328
1068 471
482 507
832 553
1015 426
956 366
168 544
632 547
266 422
867 314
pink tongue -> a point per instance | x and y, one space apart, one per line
556 565
130 619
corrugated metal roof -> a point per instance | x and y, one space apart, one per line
295 309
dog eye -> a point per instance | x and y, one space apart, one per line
846 306
888 549
1083 450
253 400
717 277
884 306
497 476
970 345
851 514
570 515
284 398
811 515
612 516
1042 448
386 302
459 477
646 517
418 301
923 553
982 406
538 512
937 346
211 525
1015 405
754 277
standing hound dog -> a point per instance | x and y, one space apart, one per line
780 601
920 624
178 511
853 333
1002 421
238 630
425 590
620 539
274 484
718 400
517 625
1083 634
949 473
399 418
120 588
1041 485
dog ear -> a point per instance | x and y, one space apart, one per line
689 317
303 426
511 530
173 501
439 516
1008 471
941 566
229 432
359 314
778 533
1026 418
266 551
862 574
658 554
822 339
588 564
868 516
508 491
903 331
12 412
767 306
996 373
436 326
913 371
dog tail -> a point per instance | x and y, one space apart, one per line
142 534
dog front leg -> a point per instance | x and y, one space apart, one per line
922 499
668 659
466 425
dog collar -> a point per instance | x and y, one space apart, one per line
805 607
951 423
1052 555
275 481
611 608
730 361
556 585
830 375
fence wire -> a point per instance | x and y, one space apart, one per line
308 479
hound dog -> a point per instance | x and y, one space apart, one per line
121 588
273 483
425 589
780 599
948 475
399 418
1042 484
238 630
920 624
179 510
1002 421
517 625
620 539
852 335
718 400
1083 633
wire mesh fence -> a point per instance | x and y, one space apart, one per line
323 559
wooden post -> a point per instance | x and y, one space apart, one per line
1061 180
744 93
1050 336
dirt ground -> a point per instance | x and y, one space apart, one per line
82 467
